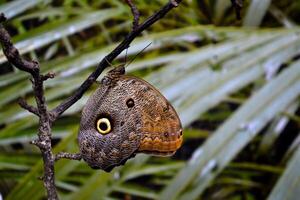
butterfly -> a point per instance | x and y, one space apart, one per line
126 115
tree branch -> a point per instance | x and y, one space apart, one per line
44 132
12 54
135 13
28 107
70 156
47 76
56 112
47 118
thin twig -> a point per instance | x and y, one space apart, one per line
237 4
56 112
44 132
12 54
70 156
135 13
49 75
28 107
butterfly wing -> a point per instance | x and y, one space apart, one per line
142 120
112 149
161 128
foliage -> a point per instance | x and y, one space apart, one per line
236 90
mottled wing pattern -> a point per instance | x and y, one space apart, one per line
148 124
161 128
107 151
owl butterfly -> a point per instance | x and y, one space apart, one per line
125 116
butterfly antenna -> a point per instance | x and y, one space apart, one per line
138 54
108 62
125 60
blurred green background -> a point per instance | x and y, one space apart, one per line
235 84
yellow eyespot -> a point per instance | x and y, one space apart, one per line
103 126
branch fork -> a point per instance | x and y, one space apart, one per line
47 117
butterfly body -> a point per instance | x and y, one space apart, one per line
135 117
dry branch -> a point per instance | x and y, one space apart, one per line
71 156
135 13
46 118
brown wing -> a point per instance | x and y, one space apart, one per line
105 151
141 119
161 127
